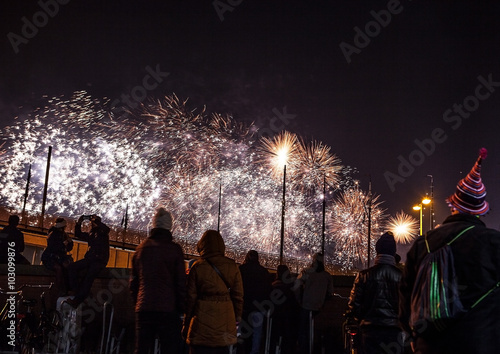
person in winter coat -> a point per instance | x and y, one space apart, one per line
12 238
315 285
256 287
55 257
158 288
214 301
286 311
374 301
95 259
477 265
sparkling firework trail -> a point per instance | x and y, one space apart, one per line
404 227
314 165
162 153
93 169
348 227
280 151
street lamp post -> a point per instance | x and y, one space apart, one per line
281 148
431 225
324 216
369 220
283 204
420 207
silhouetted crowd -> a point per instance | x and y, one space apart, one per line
219 305
445 299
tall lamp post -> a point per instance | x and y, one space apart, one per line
432 203
280 149
369 220
324 217
283 204
419 207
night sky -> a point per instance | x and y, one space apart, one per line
375 80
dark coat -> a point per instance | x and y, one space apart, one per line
316 287
8 235
477 265
158 281
98 241
285 316
57 249
212 311
256 285
375 296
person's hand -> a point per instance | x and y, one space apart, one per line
94 218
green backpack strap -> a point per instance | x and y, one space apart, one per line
460 234
485 295
454 239
497 285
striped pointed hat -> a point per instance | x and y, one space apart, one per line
469 198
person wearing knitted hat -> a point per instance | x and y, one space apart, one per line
158 287
469 197
374 301
476 256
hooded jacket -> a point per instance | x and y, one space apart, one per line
212 309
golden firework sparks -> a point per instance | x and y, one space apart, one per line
280 151
404 227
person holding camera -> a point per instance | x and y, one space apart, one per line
55 257
94 261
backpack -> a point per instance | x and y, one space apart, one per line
435 301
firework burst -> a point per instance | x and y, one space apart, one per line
93 169
163 153
315 165
404 227
348 227
280 151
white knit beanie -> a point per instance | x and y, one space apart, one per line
60 223
162 219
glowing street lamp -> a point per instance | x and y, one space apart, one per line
419 207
